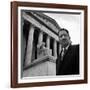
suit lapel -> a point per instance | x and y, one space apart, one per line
67 53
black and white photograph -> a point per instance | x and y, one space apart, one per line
51 44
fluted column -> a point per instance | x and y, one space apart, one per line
40 38
55 48
48 42
29 46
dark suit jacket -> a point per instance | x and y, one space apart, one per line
70 63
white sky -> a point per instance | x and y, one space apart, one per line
70 22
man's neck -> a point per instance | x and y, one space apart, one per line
66 47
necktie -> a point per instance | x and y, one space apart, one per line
62 53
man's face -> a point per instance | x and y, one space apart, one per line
64 38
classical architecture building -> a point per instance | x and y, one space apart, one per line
40 44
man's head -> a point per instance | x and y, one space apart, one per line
64 38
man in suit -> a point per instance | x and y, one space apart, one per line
67 62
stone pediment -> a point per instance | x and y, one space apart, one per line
47 21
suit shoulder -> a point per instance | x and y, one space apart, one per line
75 46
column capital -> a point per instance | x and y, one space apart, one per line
41 31
32 25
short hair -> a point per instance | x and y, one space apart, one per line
63 29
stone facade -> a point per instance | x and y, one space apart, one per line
40 34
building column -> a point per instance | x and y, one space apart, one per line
29 46
48 42
40 38
55 48
59 48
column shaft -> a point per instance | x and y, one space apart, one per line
29 46
59 48
40 38
55 48
48 42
